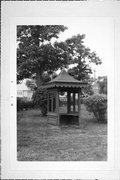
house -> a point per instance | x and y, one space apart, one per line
95 86
24 92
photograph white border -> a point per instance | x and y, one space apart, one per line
32 13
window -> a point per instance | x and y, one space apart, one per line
19 93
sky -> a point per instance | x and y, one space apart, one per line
99 38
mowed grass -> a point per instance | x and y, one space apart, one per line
39 141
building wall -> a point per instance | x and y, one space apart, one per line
20 93
25 94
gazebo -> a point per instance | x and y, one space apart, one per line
64 99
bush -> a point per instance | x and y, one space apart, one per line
40 100
19 116
19 104
23 104
97 104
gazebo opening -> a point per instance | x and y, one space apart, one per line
64 104
68 108
68 102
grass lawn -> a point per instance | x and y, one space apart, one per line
39 141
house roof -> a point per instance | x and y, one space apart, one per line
22 87
65 80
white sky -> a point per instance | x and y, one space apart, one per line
99 38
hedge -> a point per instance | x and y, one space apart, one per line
23 104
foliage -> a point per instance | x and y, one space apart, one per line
19 104
102 81
30 83
82 56
88 89
19 116
97 104
36 53
45 78
40 100
23 104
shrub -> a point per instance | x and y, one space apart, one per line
23 104
97 104
40 100
19 116
19 104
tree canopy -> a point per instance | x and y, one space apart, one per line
36 53
82 56
30 83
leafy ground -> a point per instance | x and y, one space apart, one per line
39 141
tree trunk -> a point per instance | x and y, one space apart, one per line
39 78
79 64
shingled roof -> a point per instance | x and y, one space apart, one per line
65 80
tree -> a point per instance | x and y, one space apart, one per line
40 95
36 54
30 83
88 89
40 100
82 57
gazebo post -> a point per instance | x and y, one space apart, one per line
74 101
47 103
79 106
57 106
68 101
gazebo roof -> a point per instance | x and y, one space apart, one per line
65 80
